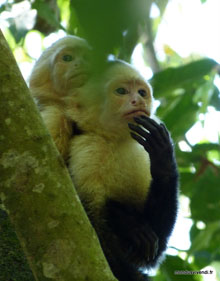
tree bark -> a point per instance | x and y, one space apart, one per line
37 191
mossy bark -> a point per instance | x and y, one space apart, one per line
37 192
13 263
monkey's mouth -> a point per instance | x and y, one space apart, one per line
79 75
79 79
137 112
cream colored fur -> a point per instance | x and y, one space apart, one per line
105 162
103 169
59 127
52 80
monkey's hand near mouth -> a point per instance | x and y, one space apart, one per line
156 140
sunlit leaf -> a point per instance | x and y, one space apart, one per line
205 245
170 79
205 201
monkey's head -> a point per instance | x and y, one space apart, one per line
127 93
61 69
113 99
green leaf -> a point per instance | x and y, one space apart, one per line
184 92
205 245
173 264
215 100
106 22
203 238
205 201
180 115
170 79
48 13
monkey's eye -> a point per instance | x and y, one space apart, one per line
67 58
142 92
121 91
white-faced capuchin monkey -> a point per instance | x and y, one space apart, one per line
59 72
123 165
121 161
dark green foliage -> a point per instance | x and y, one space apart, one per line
103 22
165 82
205 244
180 90
206 194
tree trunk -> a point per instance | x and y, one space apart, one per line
37 192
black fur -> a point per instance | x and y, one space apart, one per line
76 131
133 237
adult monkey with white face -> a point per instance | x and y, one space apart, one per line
127 181
60 71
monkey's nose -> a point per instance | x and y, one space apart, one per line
134 102
78 63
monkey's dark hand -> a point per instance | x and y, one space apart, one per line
139 242
156 140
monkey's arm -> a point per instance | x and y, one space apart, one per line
59 127
144 235
161 205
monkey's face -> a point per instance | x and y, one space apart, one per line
105 104
70 67
130 98
61 69
127 95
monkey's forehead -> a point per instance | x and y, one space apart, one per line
123 69
69 41
128 81
125 74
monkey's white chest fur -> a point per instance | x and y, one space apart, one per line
102 170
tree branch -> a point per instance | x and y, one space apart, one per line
37 192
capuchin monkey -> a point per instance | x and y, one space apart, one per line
121 161
60 71
123 166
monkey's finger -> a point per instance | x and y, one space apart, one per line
156 248
150 120
143 142
154 244
165 131
163 135
137 138
162 129
138 130
149 141
155 130
152 238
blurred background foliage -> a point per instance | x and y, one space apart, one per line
184 88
